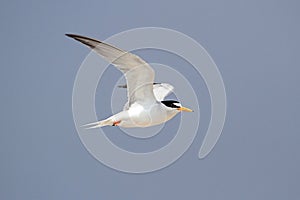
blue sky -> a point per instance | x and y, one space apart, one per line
255 44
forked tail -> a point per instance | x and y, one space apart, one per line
106 122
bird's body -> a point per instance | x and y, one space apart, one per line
139 116
146 105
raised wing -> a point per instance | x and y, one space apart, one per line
160 90
139 75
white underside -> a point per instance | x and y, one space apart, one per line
142 116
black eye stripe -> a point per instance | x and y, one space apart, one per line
170 103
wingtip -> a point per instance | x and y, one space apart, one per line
122 86
71 35
85 40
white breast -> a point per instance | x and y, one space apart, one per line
142 116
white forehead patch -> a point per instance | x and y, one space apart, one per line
177 104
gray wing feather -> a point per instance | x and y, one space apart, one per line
139 75
161 90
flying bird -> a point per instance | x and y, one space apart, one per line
146 105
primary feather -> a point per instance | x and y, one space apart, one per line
139 75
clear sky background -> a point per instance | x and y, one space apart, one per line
255 44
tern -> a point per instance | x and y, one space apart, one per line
146 105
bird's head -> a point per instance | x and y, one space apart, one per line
175 106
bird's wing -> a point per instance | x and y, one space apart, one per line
139 75
160 90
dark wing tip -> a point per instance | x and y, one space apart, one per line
74 36
122 86
92 43
80 37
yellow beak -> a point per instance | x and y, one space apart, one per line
185 109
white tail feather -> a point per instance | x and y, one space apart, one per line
106 122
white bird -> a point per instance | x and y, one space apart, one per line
146 105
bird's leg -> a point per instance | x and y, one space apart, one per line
116 123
